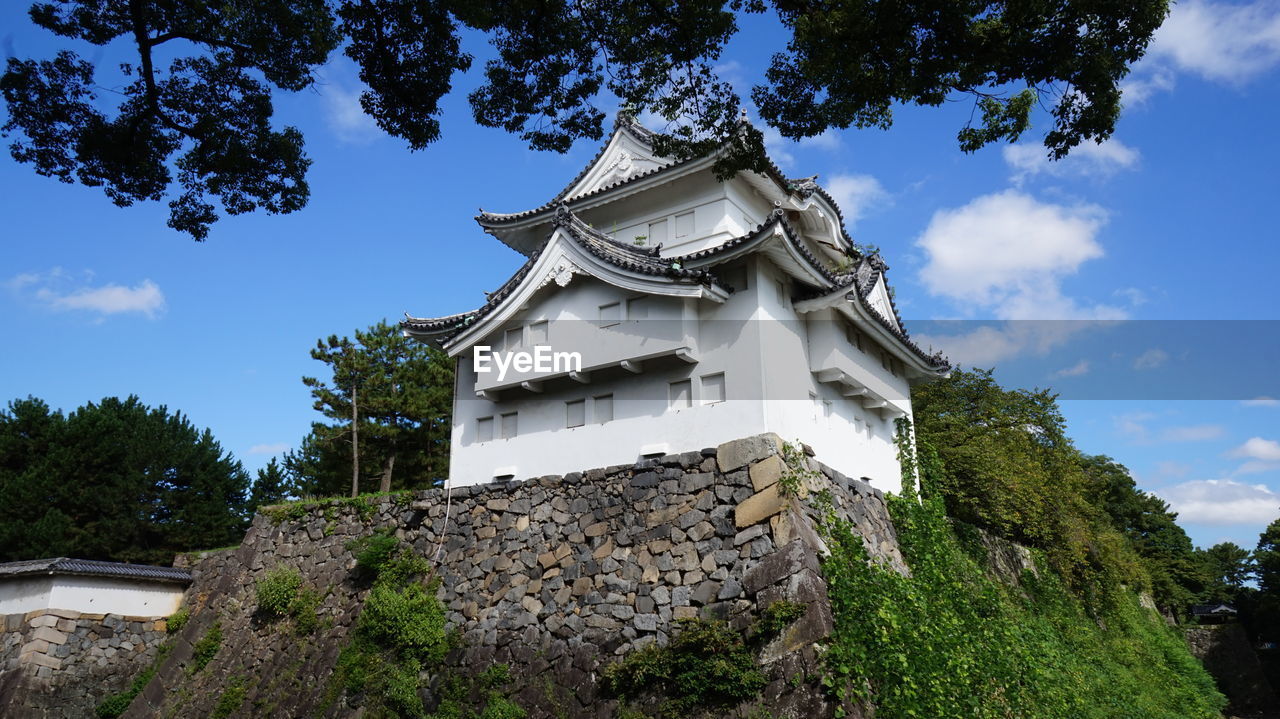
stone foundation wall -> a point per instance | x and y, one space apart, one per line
1225 651
556 576
61 663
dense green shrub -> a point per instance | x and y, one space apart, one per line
203 651
177 620
277 590
401 633
707 664
373 551
949 642
230 700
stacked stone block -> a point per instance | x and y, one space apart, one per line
556 576
61 663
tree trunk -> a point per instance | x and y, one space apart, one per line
355 443
387 466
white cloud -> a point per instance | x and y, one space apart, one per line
1224 42
61 291
856 194
1150 359
1146 81
343 113
989 344
1075 370
1133 425
778 147
1194 433
1222 501
1088 159
828 140
1007 253
1170 468
1261 402
276 448
1266 450
1228 43
1133 295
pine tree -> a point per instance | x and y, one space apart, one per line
399 391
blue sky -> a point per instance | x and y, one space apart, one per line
1170 224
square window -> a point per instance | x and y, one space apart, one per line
602 407
539 333
484 429
684 224
680 394
657 233
637 308
513 338
854 335
509 428
713 388
610 314
575 413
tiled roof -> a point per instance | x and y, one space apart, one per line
641 260
94 568
644 260
625 123
861 280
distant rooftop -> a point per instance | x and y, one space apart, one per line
94 568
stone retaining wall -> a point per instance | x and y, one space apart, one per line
556 576
61 663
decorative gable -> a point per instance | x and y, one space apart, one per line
878 299
626 156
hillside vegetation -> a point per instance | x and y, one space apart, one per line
1070 638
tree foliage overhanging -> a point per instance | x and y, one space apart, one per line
194 118
115 480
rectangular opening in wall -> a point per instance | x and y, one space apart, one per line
575 413
509 425
813 404
680 394
853 335
784 295
827 410
638 308
713 388
484 429
610 314
513 338
602 408
539 333
684 225
657 233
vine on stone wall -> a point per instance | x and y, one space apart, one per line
949 642
402 636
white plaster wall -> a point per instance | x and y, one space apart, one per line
20 595
89 595
102 595
768 353
755 339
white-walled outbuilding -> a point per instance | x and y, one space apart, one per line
662 310
91 587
